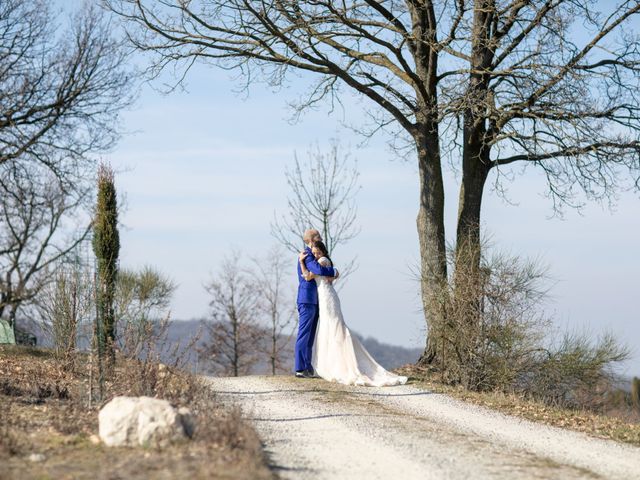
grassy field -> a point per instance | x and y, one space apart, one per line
48 429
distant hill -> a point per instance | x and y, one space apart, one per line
389 356
181 332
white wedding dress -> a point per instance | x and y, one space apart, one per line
338 356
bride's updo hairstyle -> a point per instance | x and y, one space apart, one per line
323 248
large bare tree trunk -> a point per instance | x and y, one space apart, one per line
468 289
432 238
475 170
430 222
476 161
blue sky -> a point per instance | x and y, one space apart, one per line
202 172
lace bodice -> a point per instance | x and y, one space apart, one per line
325 262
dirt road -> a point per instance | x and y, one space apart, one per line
319 430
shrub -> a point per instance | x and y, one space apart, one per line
635 392
496 336
64 305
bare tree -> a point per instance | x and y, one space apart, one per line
235 336
323 191
277 304
60 93
40 225
553 84
61 89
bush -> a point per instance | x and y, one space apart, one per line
142 297
496 335
575 372
64 305
635 393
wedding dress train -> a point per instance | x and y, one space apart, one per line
338 356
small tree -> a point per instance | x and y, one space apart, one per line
106 246
323 191
64 305
41 225
233 347
276 304
142 298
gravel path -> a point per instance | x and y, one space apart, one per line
320 430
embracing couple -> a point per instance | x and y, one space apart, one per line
325 346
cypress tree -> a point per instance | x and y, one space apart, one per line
106 246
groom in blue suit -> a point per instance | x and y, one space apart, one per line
308 306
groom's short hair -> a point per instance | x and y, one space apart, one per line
308 235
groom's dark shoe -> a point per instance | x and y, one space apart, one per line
304 374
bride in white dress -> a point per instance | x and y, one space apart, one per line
338 356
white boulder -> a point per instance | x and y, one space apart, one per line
129 421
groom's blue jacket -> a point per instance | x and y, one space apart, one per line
308 291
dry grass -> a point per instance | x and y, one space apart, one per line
45 410
621 426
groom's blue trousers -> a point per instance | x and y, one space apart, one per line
307 322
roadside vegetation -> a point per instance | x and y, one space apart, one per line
49 424
499 348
